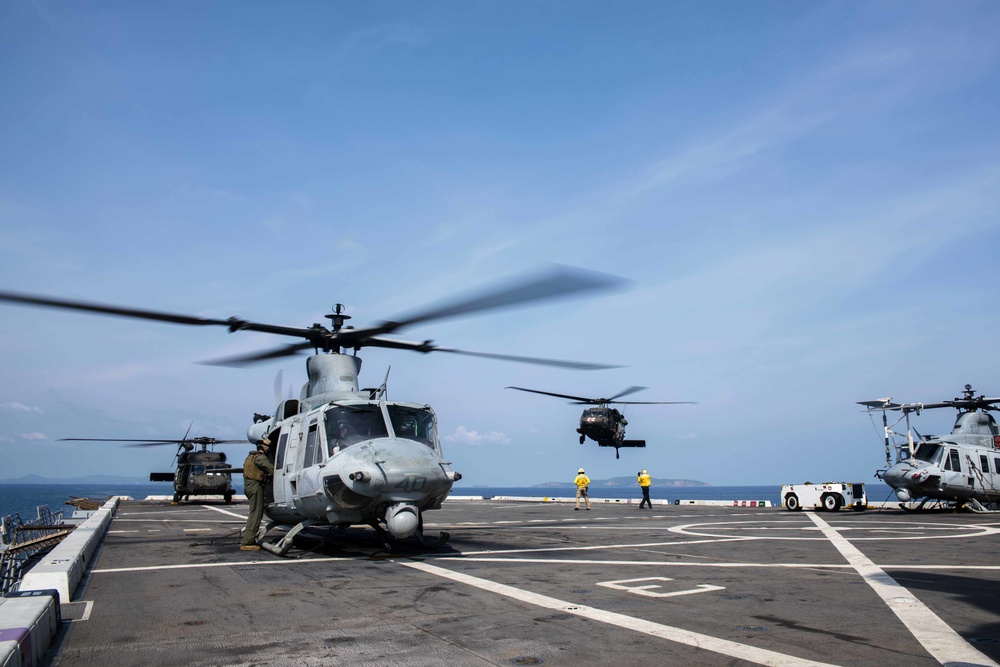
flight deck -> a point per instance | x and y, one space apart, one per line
526 583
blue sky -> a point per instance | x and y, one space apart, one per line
805 196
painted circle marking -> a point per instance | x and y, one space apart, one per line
716 530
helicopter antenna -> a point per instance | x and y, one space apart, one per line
383 389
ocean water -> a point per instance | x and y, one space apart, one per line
25 498
876 492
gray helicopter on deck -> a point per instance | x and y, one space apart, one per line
603 424
962 467
199 473
346 455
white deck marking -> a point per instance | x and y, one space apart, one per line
601 547
88 606
617 563
639 563
176 521
222 511
670 633
197 530
713 530
936 636
195 566
647 589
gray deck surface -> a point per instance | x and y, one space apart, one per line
540 583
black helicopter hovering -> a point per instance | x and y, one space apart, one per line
199 473
345 455
604 424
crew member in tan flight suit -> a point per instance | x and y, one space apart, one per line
257 473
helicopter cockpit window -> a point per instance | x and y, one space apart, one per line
351 424
927 452
413 424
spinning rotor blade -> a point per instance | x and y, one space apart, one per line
253 357
655 402
148 442
578 399
626 392
560 281
233 323
574 365
31 300
428 346
155 443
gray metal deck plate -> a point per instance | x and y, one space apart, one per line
534 583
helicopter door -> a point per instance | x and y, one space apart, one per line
279 483
952 476
290 471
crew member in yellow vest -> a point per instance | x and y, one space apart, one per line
257 473
644 482
582 483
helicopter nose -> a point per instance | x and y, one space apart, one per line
896 475
412 472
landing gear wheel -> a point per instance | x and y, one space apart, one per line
582 438
229 498
792 502
831 502
177 499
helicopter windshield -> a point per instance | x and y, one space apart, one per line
927 451
351 424
413 424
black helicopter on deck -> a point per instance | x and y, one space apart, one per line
604 424
201 472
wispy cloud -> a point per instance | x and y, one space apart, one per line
20 407
464 436
34 436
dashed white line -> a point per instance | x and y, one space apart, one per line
936 636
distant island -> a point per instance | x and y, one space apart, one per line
613 482
88 479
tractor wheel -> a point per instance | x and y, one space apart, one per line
792 502
831 502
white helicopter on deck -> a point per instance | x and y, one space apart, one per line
345 455
962 467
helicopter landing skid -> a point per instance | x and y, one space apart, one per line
418 537
423 541
919 507
281 547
